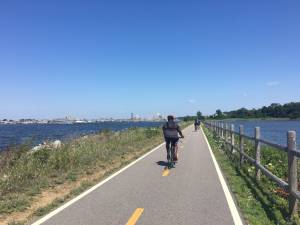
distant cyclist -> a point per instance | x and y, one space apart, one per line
171 130
197 124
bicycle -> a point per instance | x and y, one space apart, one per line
171 156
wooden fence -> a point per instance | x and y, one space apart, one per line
227 134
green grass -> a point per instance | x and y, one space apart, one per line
260 202
24 175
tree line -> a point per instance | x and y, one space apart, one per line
275 110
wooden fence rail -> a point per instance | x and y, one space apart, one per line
227 134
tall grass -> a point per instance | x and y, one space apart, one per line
24 174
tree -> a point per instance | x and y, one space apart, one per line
200 116
219 114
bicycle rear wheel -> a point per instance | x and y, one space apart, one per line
172 164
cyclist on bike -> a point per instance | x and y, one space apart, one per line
171 130
197 124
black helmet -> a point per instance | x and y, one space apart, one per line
171 117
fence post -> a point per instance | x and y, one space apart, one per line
241 145
226 136
257 151
226 132
292 172
232 139
222 131
215 127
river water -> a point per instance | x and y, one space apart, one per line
15 134
271 130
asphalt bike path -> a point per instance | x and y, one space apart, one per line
147 193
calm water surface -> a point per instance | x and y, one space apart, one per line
271 130
12 134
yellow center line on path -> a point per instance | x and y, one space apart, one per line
166 172
135 216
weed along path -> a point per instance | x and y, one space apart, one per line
145 192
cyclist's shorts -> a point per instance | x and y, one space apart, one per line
172 141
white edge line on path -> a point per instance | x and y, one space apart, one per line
61 208
56 211
234 212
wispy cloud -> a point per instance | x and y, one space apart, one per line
192 101
245 94
272 83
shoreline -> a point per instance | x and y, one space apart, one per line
13 136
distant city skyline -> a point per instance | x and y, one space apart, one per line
113 58
132 116
72 120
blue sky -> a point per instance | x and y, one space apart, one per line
110 58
